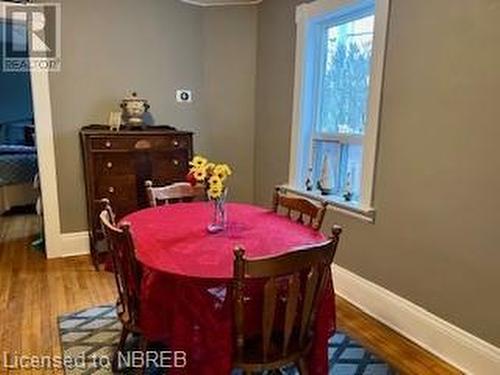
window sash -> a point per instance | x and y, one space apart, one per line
340 163
338 137
333 20
320 40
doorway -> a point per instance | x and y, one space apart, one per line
44 140
20 195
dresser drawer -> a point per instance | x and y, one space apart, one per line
128 143
169 166
123 188
109 163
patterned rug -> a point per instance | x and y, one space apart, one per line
89 338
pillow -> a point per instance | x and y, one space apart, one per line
14 132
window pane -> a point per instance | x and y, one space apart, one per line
330 150
344 161
350 170
345 77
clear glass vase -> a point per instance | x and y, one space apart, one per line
219 221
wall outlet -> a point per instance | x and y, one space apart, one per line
184 96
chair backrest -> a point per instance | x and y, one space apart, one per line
177 192
126 269
106 206
298 279
305 211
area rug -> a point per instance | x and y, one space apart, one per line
89 337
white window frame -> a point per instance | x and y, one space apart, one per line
309 16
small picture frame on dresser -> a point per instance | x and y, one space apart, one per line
115 120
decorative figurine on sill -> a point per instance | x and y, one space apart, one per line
325 180
133 109
348 188
309 183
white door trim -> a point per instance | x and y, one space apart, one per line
46 162
454 345
42 111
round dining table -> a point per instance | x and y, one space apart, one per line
185 297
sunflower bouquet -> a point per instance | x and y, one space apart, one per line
212 176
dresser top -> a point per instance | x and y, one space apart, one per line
97 129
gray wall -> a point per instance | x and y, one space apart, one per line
154 47
435 240
229 70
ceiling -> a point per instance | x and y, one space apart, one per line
208 3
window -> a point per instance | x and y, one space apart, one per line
339 63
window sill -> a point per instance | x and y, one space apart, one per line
353 209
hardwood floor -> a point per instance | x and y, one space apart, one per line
34 291
19 227
405 356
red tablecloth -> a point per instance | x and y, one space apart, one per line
185 300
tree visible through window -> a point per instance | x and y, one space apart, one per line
346 79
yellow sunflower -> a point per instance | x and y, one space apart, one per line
200 174
214 180
215 191
198 162
222 171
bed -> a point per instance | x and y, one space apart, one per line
18 168
18 164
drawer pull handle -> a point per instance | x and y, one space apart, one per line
175 143
142 144
108 144
111 189
109 165
176 162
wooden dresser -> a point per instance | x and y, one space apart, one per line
117 164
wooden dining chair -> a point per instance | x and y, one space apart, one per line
177 192
300 209
127 277
304 273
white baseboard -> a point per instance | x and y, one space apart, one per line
73 244
454 345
